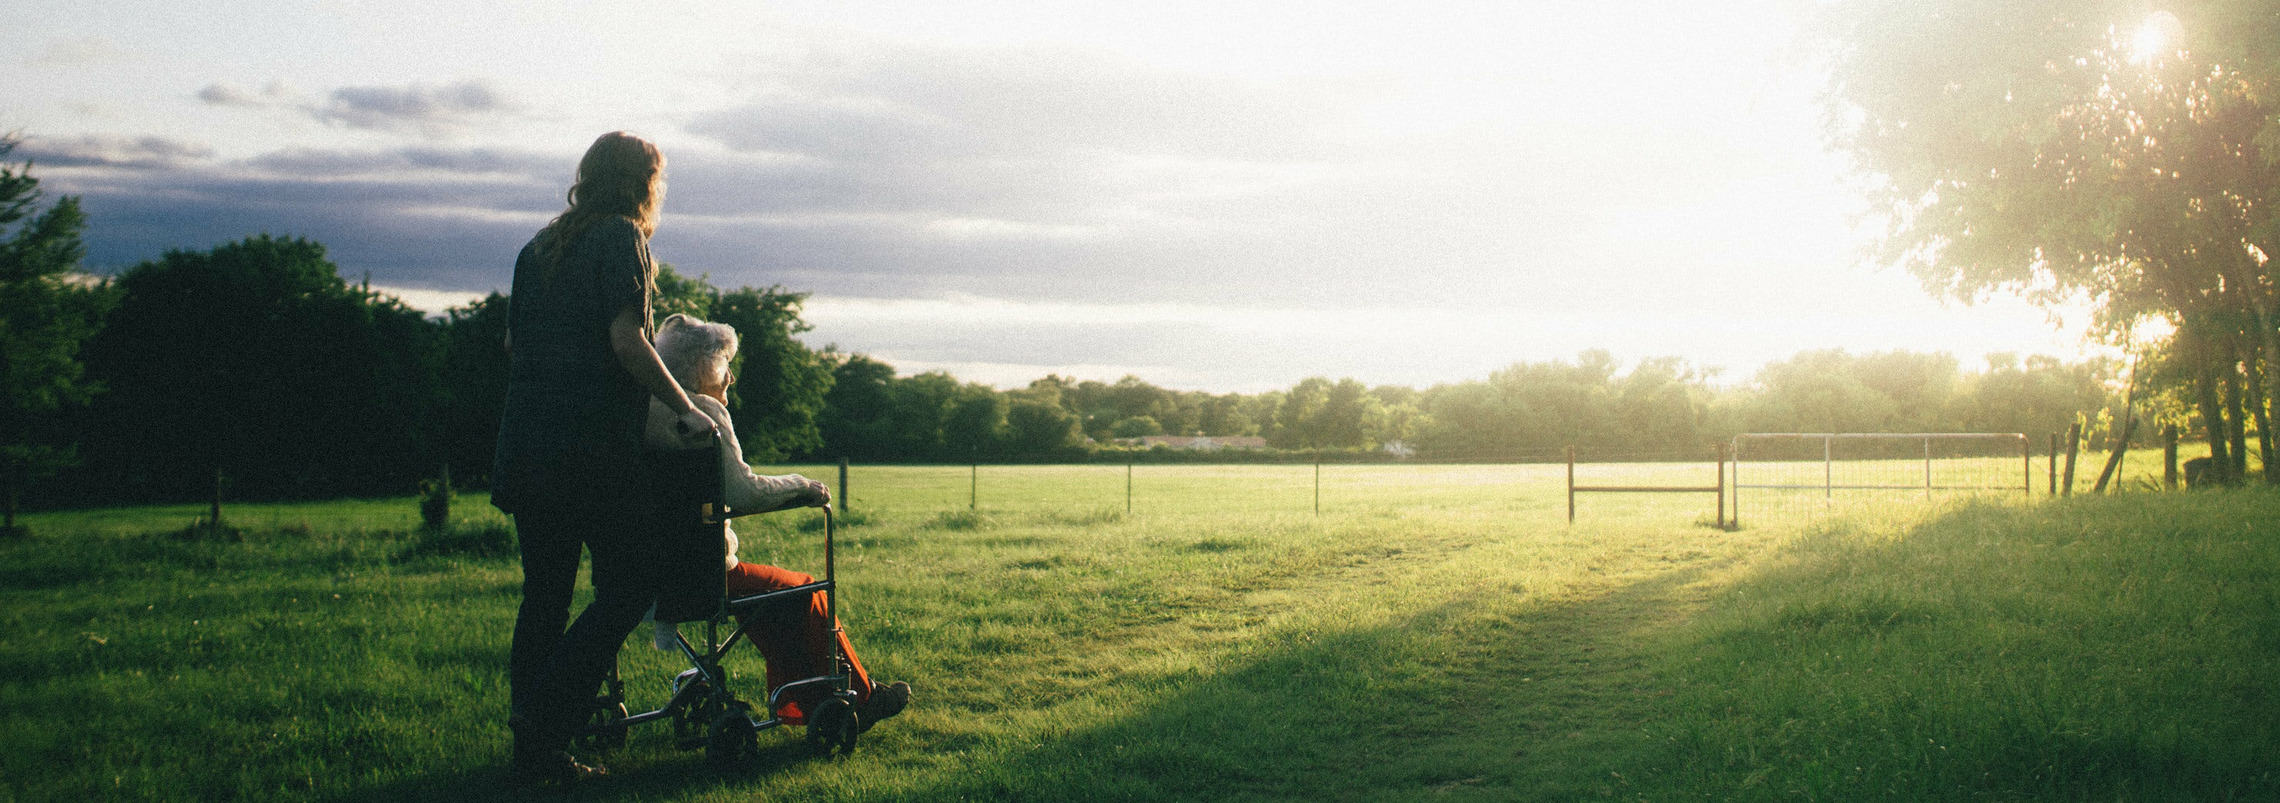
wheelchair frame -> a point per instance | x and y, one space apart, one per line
705 710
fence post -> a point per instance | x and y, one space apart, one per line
1571 483
214 517
1828 469
974 486
2027 465
2073 447
1317 482
1734 450
1721 486
1927 468
843 485
2053 464
1128 488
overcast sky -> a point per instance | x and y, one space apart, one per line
1215 196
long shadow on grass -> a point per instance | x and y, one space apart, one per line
1476 698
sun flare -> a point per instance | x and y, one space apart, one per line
2159 36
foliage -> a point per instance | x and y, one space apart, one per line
858 411
2081 149
256 359
472 385
45 317
1139 426
781 383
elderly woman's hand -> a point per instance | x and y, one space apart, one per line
819 494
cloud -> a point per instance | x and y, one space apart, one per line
276 94
140 153
461 162
417 217
423 108
902 102
417 106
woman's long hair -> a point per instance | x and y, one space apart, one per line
621 176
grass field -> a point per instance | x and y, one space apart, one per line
1436 633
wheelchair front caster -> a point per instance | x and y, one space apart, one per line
734 742
833 726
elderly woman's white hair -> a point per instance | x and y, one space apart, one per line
691 348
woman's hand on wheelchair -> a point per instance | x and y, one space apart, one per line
693 427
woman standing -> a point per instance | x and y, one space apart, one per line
581 372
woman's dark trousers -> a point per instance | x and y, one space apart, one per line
554 672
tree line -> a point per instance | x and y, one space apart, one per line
255 371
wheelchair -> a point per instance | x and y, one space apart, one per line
704 709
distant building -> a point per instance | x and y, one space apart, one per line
1201 443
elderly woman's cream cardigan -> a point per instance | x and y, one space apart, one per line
742 489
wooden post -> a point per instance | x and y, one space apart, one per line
214 517
2027 462
1721 486
842 485
1128 488
974 487
2054 464
1318 482
1734 450
2073 448
1571 483
1927 469
2114 460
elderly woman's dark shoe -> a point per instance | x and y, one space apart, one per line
885 701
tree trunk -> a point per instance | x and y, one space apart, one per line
2169 457
2268 338
2236 413
2213 420
2271 338
2256 413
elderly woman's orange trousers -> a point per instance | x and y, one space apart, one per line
794 639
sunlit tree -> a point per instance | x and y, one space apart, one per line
2103 150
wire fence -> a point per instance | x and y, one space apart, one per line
1769 476
1788 474
1094 490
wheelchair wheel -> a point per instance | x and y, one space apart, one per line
605 728
693 722
833 725
733 743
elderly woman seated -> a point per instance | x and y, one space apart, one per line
795 641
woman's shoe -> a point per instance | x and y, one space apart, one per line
884 702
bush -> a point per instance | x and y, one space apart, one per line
485 541
435 504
